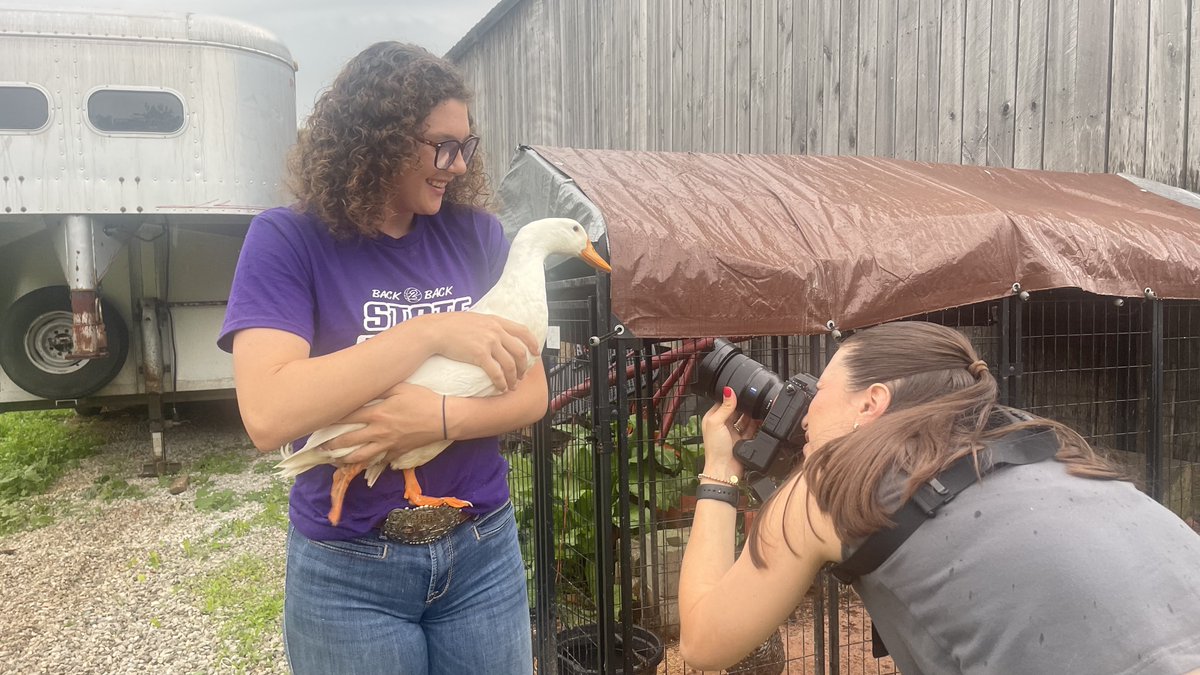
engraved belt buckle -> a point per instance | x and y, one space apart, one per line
421 525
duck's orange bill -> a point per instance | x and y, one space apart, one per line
591 257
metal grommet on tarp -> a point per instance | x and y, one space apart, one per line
617 331
833 330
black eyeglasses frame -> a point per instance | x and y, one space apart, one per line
445 152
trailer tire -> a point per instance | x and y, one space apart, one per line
35 336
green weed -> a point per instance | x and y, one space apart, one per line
108 488
228 461
245 596
208 499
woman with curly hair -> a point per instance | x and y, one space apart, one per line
1025 551
335 302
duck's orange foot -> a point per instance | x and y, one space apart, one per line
412 492
337 492
422 500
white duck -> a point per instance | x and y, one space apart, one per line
519 295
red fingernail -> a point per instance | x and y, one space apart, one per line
728 392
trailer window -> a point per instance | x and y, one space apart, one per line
23 108
139 112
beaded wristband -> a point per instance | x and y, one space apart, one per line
732 480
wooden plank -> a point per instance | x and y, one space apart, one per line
544 39
701 93
824 106
1061 120
885 98
1091 94
763 69
620 108
1192 159
847 87
715 75
908 19
1031 83
928 58
976 52
676 104
591 61
570 99
655 70
1127 119
760 61
737 76
784 109
1166 91
772 61
1076 86
868 76
639 114
607 75
1002 84
801 79
950 81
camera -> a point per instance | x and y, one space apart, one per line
763 395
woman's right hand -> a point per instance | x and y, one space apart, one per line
720 428
499 346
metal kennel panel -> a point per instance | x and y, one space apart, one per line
1180 381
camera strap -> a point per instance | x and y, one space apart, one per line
1024 446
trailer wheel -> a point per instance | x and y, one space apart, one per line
35 338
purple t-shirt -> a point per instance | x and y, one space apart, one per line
293 275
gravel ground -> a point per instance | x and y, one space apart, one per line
120 585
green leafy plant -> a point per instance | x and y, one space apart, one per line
245 595
36 448
670 466
209 499
108 488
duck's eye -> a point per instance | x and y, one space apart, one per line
575 228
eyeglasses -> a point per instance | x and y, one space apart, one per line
445 152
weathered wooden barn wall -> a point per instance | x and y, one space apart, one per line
1084 85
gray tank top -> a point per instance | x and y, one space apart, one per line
1036 571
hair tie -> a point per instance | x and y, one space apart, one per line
977 368
445 434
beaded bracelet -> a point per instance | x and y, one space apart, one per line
732 480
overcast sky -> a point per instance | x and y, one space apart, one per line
321 34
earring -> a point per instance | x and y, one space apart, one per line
855 427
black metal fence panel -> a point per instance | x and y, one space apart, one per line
603 486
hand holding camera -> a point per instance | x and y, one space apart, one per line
769 454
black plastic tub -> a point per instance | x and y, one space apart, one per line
579 651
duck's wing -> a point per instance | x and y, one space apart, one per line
419 456
298 461
309 456
453 378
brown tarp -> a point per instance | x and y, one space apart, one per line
705 244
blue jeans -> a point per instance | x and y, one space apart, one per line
372 606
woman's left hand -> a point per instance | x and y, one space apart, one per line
722 427
407 418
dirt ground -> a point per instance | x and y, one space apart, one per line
799 648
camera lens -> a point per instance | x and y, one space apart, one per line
754 385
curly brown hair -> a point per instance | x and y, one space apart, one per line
362 135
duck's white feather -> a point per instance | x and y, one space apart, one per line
519 295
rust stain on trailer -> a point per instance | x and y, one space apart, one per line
89 339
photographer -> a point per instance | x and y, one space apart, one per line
1054 566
